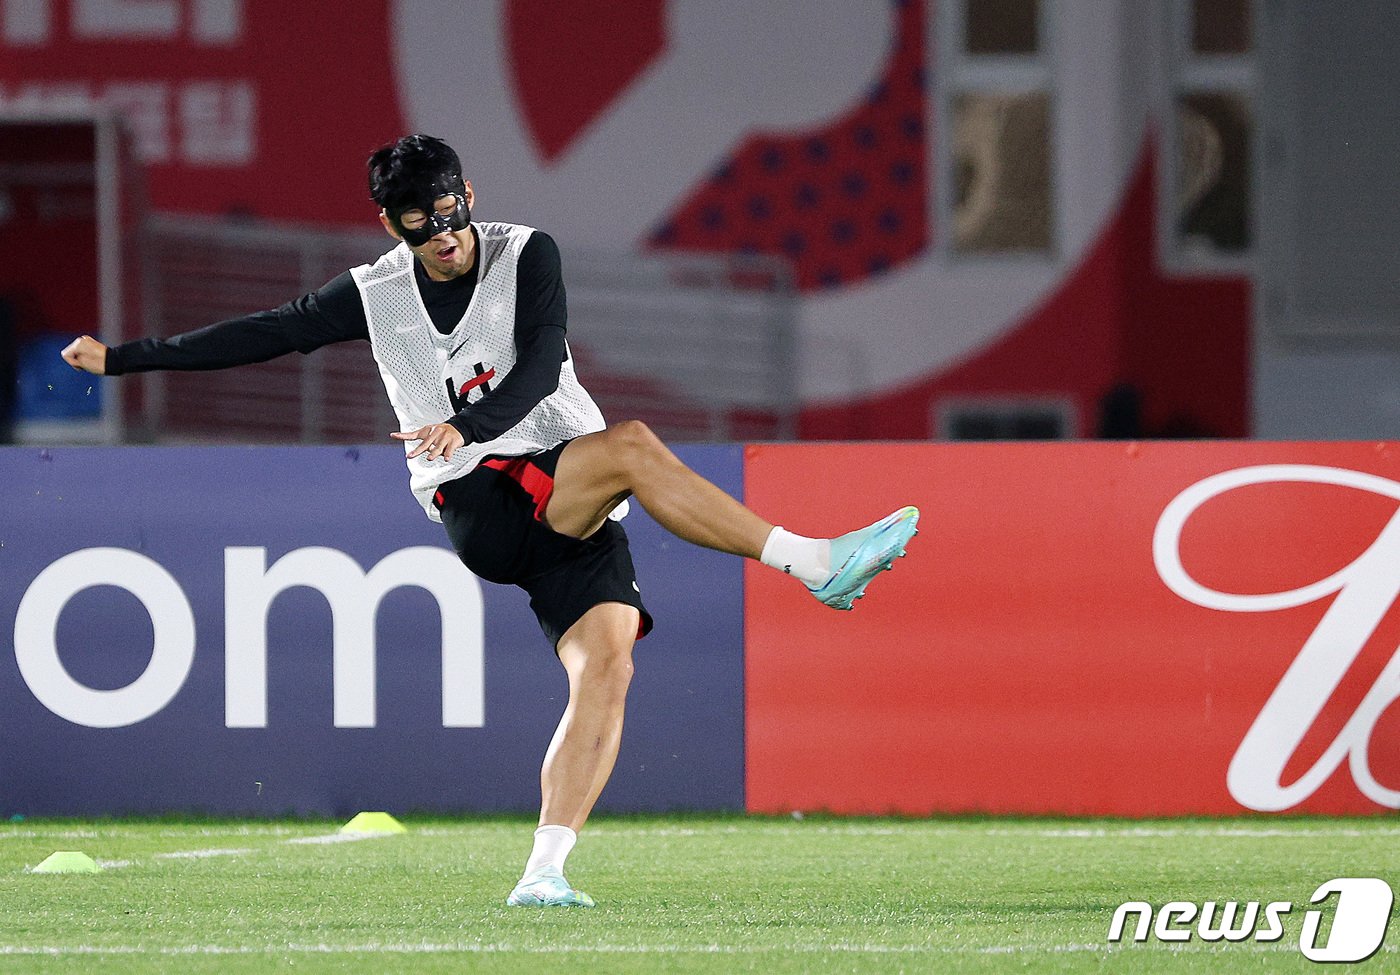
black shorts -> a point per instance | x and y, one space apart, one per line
494 517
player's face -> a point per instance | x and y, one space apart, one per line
438 230
448 212
448 252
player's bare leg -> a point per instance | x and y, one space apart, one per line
597 471
597 654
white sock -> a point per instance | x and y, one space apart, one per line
808 559
552 846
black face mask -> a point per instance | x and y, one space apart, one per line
425 195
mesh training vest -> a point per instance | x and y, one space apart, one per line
417 362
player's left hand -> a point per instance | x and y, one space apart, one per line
439 440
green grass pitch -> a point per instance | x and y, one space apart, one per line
675 894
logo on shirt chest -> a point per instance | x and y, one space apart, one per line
473 389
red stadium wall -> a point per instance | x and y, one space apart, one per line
1118 317
1030 657
266 111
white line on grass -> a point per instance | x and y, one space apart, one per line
1134 832
338 838
241 830
1048 949
92 834
427 948
64 834
470 947
200 854
605 831
326 838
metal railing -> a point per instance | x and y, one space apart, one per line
700 347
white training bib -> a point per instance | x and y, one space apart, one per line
417 362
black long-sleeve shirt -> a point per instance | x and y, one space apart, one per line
335 313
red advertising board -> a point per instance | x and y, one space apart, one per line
1092 628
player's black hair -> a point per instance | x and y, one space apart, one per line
395 169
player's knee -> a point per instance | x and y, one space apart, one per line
608 664
620 667
632 433
634 441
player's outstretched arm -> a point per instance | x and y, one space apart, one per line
86 354
331 314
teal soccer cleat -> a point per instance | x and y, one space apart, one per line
547 888
860 556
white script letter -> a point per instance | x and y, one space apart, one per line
1365 592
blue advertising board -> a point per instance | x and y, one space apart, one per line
264 631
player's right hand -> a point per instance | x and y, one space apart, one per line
86 354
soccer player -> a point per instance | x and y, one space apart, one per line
466 321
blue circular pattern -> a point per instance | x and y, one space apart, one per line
806 196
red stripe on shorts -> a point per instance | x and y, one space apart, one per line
537 484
